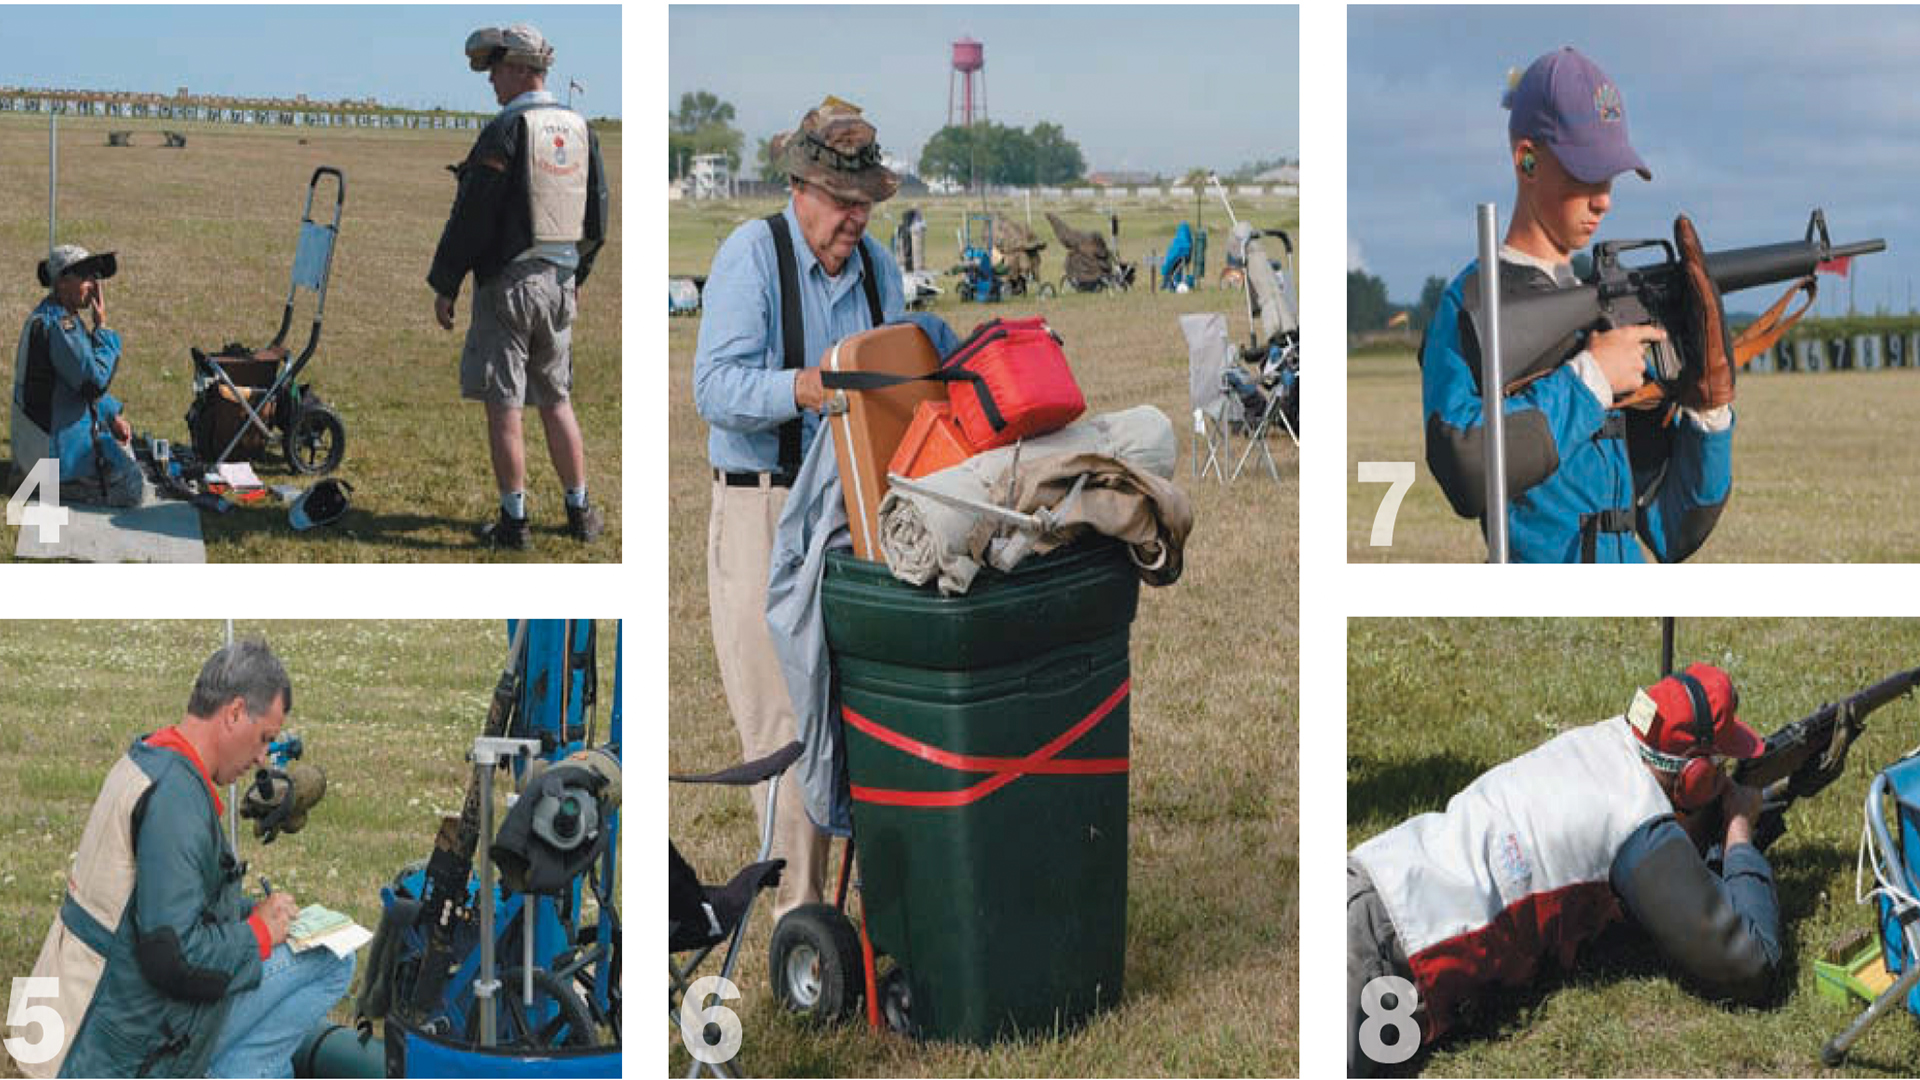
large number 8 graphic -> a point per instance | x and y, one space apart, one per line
1399 1018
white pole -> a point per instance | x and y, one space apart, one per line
1492 395
233 790
53 176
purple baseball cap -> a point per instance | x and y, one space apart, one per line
1565 102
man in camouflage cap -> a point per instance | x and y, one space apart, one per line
761 400
528 218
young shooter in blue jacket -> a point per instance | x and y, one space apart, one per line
1583 477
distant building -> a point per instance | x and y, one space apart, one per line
1284 174
1122 178
710 177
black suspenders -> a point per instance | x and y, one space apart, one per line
793 332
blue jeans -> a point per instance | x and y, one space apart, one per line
265 1025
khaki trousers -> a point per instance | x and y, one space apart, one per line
739 551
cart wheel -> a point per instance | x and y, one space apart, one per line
315 441
896 1001
815 963
570 1025
1046 291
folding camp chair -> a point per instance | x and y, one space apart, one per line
699 917
1896 892
1215 407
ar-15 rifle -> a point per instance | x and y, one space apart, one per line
1540 329
444 900
1802 758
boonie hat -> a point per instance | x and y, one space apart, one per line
74 259
1662 716
835 147
518 44
1566 103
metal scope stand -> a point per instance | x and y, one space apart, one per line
488 755
1492 391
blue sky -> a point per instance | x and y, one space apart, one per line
1749 117
1158 88
408 56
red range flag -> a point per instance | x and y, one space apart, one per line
1838 266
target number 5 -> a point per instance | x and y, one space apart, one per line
20 1013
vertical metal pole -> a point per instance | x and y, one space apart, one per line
233 788
1666 646
1493 401
488 983
527 906
53 177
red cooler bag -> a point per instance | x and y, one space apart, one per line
1009 381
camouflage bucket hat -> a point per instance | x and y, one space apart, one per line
517 44
834 147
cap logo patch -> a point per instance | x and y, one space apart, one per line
1607 105
1641 713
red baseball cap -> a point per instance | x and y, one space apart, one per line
1669 725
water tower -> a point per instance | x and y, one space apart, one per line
969 60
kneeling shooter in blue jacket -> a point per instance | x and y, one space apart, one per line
1583 477
163 966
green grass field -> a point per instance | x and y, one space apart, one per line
389 709
206 235
1432 703
1820 463
695 229
1212 982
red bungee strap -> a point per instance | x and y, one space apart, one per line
1004 770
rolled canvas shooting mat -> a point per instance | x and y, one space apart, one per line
866 434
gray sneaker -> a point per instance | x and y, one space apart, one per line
585 523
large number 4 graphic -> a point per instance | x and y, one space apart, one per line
46 516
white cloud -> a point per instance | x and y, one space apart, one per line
1354 260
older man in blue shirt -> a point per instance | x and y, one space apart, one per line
781 292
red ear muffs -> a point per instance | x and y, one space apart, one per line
1701 779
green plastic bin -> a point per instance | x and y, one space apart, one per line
987 745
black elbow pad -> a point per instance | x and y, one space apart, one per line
165 965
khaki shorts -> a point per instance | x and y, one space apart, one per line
519 347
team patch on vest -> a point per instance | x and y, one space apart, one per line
556 147
1515 867
67 323
558 151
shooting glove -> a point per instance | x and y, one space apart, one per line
1706 349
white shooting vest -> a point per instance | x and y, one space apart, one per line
557 153
100 885
1516 868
